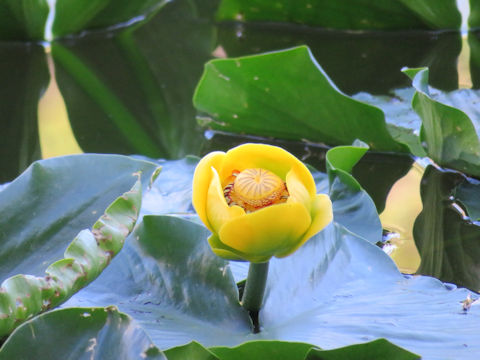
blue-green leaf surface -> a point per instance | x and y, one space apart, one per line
81 334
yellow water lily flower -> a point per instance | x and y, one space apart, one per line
258 201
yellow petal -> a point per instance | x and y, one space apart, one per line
322 215
268 157
218 211
201 182
265 232
297 190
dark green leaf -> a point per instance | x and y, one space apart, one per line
377 349
260 350
23 19
191 351
348 14
80 334
449 133
24 74
72 16
137 85
286 94
448 244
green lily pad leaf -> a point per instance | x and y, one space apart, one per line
180 292
377 349
77 333
340 276
351 58
286 94
23 19
446 241
72 16
173 285
191 351
258 350
448 132
348 14
24 296
352 206
44 208
137 85
19 95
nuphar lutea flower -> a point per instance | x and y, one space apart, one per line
258 201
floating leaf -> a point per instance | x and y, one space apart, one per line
377 349
287 95
258 350
62 200
76 333
172 284
348 14
449 133
191 351
352 206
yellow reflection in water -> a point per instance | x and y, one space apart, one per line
55 132
402 207
463 65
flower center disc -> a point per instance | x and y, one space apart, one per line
254 189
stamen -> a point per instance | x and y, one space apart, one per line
254 189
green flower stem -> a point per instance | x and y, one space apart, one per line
255 287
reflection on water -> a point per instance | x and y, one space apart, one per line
53 121
403 205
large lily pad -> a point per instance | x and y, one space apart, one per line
348 14
43 209
286 94
24 296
